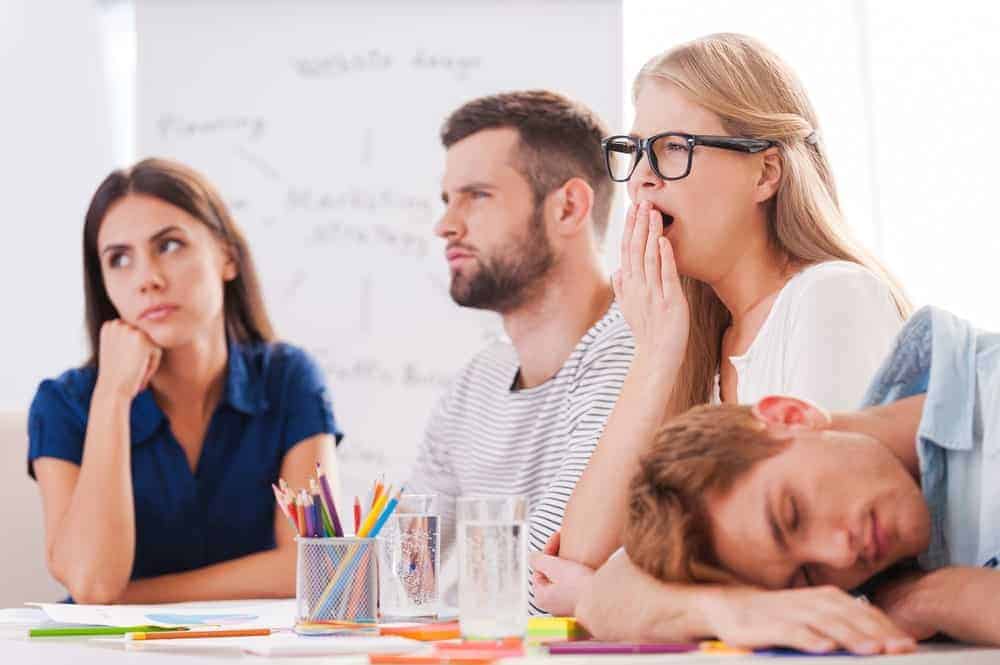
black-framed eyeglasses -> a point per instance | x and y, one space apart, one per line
669 153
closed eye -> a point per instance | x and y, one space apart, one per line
807 578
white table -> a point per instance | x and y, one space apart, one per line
19 650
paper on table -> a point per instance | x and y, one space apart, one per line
232 614
286 644
22 616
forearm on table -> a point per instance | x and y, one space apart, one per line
621 602
269 574
91 546
592 523
961 602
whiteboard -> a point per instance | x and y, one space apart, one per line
319 123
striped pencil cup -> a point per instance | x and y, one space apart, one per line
336 580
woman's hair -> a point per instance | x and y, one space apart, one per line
699 454
243 305
756 95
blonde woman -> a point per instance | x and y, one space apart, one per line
738 279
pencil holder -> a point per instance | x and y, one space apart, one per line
336 580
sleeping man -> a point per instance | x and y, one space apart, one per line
900 501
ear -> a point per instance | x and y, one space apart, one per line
571 205
783 414
229 268
769 178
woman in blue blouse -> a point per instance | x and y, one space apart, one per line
155 459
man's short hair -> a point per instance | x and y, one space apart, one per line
559 139
703 451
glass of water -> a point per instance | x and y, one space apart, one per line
409 559
492 566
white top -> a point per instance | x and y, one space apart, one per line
828 331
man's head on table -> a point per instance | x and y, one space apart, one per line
774 496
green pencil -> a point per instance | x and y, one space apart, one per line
86 631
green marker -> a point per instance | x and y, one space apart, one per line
87 631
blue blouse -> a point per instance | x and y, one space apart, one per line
274 397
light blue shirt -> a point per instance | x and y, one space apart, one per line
958 441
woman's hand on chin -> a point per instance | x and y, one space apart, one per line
128 359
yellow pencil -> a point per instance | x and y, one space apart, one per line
184 634
374 513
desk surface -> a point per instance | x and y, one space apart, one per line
17 649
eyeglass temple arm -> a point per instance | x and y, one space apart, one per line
734 143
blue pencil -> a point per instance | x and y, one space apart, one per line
386 513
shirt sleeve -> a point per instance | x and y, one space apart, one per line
308 408
55 428
842 328
589 404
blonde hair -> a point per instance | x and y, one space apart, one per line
757 95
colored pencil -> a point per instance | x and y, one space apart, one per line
86 631
331 505
376 493
357 514
317 515
308 510
187 634
386 513
279 497
301 512
335 581
373 515
591 647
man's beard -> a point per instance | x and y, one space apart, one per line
506 280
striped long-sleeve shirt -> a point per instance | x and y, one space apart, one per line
487 437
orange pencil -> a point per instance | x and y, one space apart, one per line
184 634
379 488
300 512
357 514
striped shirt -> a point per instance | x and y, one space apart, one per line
486 437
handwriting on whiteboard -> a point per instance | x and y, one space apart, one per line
374 61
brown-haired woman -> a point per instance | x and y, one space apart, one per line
154 459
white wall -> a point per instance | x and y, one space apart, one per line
906 93
936 76
56 146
